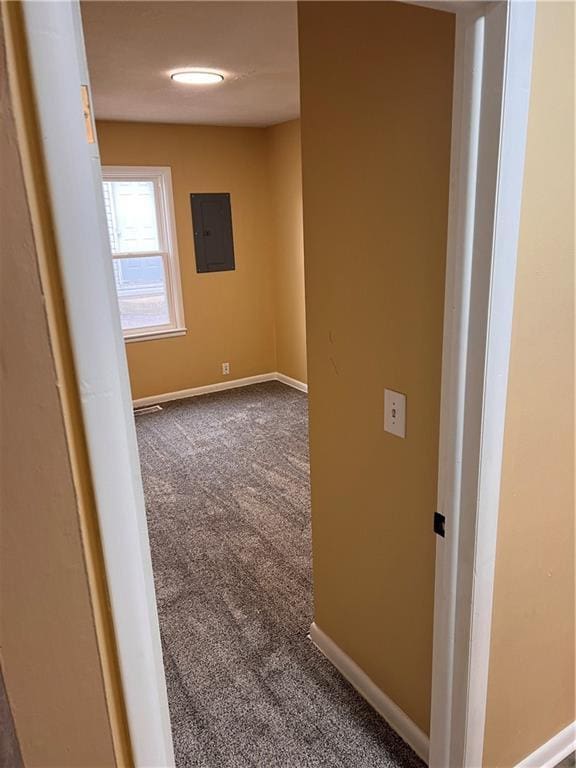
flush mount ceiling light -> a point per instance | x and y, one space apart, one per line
197 77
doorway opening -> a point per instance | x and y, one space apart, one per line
80 297
203 199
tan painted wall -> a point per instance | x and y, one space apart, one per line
286 199
531 694
253 317
55 637
229 315
376 86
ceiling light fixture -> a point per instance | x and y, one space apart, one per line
197 77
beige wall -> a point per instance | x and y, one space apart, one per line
375 180
531 691
252 317
286 199
229 315
55 642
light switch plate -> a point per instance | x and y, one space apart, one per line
395 413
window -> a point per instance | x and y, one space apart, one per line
140 218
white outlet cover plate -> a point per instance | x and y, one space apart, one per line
394 413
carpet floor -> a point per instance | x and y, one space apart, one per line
226 479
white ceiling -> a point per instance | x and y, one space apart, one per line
133 47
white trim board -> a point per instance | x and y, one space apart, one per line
57 58
554 751
219 386
391 712
490 115
300 385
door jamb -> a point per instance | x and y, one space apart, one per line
56 55
493 63
491 97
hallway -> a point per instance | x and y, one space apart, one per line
226 480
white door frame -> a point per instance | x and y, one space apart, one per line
493 64
58 68
490 109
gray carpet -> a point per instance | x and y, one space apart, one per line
10 756
227 491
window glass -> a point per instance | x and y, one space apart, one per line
140 219
131 216
141 289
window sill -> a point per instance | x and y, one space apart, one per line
156 335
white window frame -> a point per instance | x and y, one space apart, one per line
161 177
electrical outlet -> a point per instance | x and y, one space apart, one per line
394 413
225 369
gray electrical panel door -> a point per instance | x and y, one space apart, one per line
212 222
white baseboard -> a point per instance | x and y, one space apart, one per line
391 712
554 751
219 387
291 382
